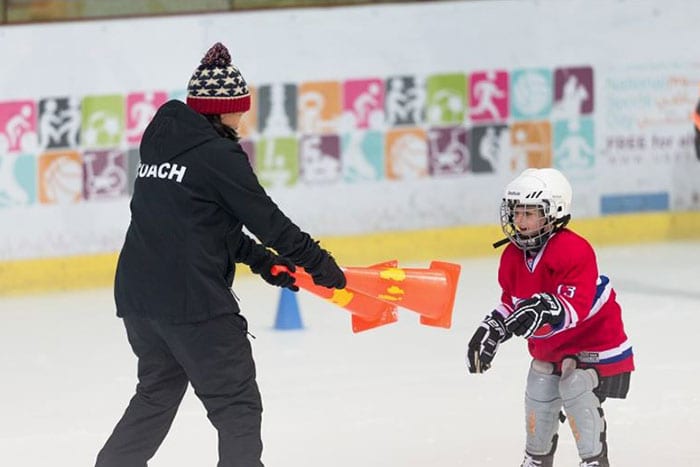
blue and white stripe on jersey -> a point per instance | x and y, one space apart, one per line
571 319
602 295
603 290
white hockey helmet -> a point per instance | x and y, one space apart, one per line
547 189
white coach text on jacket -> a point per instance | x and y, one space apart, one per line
164 170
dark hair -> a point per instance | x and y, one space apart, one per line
221 129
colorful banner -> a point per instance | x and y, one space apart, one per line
424 138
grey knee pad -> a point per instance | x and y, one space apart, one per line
542 407
583 410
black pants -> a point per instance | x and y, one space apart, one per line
216 358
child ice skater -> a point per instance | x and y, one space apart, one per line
553 296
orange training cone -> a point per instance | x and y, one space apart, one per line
367 312
429 292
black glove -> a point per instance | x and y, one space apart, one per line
319 263
243 249
326 272
262 265
533 313
485 341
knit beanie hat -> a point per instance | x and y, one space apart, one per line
216 86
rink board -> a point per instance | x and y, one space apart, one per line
20 277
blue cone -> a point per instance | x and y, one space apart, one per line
288 316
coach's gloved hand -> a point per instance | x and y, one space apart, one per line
243 249
319 263
262 264
533 313
326 272
485 341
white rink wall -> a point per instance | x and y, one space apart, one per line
428 110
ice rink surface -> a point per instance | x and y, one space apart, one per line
395 396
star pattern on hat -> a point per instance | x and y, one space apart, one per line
218 81
216 86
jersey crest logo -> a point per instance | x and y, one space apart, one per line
566 291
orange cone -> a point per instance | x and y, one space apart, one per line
429 292
367 312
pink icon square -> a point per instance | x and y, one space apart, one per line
140 109
488 96
364 101
17 126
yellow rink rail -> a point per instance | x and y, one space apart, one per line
75 272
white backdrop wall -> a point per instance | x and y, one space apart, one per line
365 119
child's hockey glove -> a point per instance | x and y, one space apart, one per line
533 313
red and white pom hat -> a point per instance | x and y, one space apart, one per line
216 86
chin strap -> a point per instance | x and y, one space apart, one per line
558 225
501 242
561 223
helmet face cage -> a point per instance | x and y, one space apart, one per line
546 189
531 241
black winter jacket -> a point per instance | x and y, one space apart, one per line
193 193
696 119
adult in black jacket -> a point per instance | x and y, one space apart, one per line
194 191
696 124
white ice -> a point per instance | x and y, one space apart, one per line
394 396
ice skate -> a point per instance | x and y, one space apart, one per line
538 461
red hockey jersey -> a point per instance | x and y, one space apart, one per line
592 329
